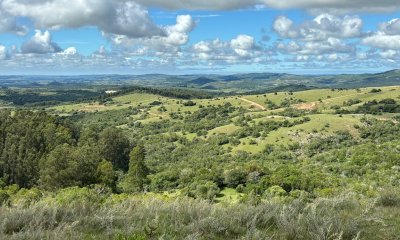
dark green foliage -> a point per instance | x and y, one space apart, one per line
234 177
114 147
352 102
181 93
37 99
320 144
189 104
136 177
204 190
26 138
379 130
208 118
375 90
383 106
68 166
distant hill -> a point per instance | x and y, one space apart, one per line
202 81
240 83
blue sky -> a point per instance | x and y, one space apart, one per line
179 37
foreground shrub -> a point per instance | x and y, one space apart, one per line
389 198
87 214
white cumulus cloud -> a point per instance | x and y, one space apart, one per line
175 36
322 27
241 48
392 27
40 43
386 38
116 17
381 40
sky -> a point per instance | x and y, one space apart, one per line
198 36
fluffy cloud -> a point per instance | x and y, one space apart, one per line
9 24
3 52
115 17
244 46
175 36
331 45
326 38
71 51
389 54
40 43
381 40
241 48
391 28
285 27
322 27
387 37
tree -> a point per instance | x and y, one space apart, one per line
68 166
106 174
115 147
57 170
136 177
25 138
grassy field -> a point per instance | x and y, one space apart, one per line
255 109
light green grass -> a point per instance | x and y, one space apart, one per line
229 196
227 129
299 133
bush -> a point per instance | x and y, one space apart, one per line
207 190
25 197
189 103
4 196
234 177
374 90
389 198
76 196
276 191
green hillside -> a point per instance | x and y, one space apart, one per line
152 164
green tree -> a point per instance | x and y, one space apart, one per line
115 148
25 138
136 177
68 166
106 174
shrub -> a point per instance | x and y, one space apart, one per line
276 191
4 196
234 177
76 196
389 198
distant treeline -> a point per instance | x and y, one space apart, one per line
181 93
185 93
283 88
21 98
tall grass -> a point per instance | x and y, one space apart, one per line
133 217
